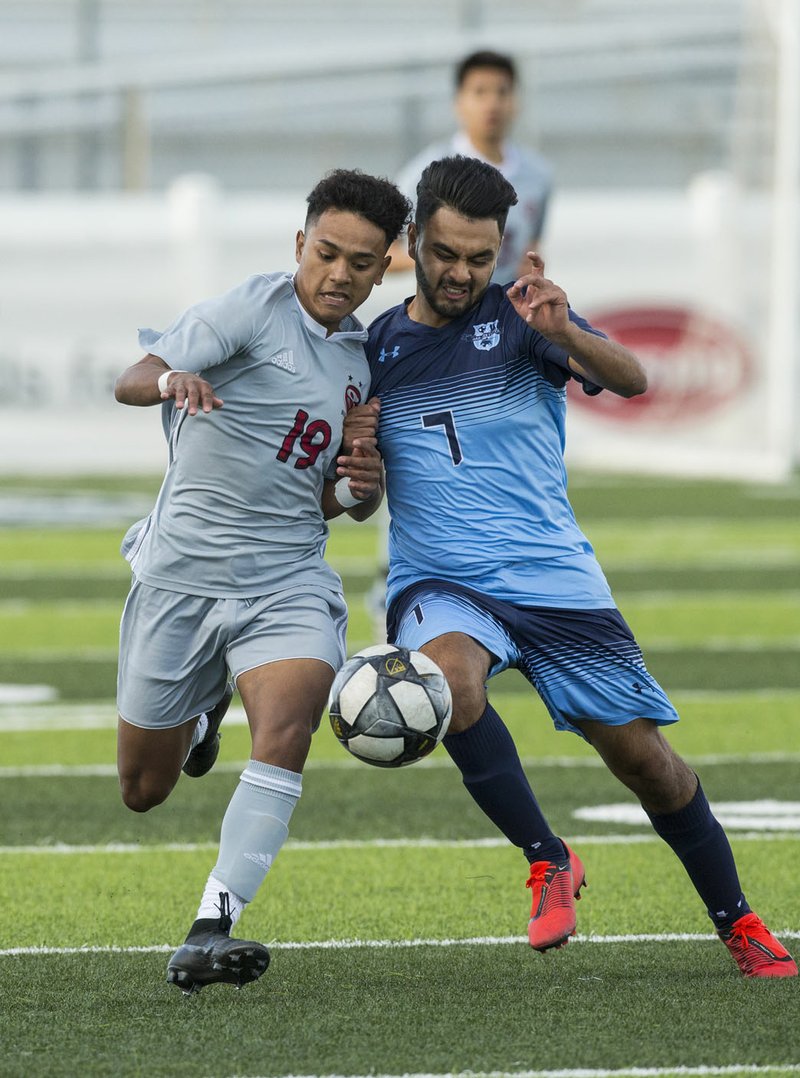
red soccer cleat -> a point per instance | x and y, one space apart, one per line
555 886
757 952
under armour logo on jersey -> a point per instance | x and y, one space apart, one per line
486 335
285 360
395 352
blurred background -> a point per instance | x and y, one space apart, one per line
154 153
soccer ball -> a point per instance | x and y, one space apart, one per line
390 706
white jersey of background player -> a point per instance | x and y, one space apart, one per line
485 104
229 570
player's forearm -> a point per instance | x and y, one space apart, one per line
604 362
138 385
365 509
331 507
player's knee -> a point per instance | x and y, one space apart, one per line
285 742
465 665
142 792
469 701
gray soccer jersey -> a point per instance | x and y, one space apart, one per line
528 173
239 512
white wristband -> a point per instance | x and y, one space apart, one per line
343 495
163 379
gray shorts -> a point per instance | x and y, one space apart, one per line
176 650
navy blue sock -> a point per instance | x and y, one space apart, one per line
703 848
490 767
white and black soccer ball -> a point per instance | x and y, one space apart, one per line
390 706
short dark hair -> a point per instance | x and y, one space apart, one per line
375 198
467 185
485 58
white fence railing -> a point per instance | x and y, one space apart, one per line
146 96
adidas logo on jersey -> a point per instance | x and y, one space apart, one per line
285 360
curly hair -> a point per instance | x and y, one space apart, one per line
471 187
372 197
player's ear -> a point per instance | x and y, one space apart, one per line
299 244
413 236
384 266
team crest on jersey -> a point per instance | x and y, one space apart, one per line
352 397
486 335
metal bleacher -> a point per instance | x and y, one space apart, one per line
105 94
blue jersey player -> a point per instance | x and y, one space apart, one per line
488 568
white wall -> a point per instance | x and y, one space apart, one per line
78 275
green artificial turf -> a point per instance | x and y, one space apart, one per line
708 575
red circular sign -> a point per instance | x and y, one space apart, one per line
695 364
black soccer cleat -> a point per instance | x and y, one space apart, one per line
210 956
204 755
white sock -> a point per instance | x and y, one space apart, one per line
200 732
210 902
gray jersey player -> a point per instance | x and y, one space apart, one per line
229 572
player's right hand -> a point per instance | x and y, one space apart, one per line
192 392
364 469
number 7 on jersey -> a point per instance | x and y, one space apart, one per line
446 420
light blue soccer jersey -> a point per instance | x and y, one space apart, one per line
472 433
239 513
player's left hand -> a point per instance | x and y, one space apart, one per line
361 422
539 302
363 467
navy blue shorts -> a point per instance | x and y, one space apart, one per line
585 664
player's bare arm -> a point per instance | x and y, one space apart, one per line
544 306
361 477
139 386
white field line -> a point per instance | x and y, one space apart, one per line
680 1071
18 718
386 944
434 763
299 846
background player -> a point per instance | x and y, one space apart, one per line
487 566
229 575
486 105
